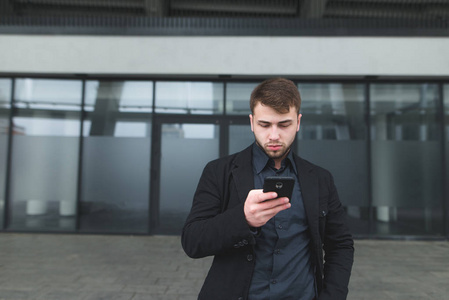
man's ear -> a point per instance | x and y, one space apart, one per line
299 122
251 122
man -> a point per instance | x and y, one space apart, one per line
266 247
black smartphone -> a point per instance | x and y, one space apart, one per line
283 186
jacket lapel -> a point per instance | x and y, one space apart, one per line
242 173
308 181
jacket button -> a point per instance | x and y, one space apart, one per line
236 246
245 242
249 257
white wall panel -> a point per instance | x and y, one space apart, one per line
224 55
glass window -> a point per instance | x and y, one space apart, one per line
185 149
128 96
240 137
333 135
189 97
332 112
5 99
406 159
446 141
45 151
237 98
46 94
116 157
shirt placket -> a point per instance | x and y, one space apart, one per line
280 226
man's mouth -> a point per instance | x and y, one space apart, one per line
274 147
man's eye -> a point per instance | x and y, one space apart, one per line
284 125
264 125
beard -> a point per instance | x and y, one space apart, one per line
275 154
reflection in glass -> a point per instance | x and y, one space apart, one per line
240 137
185 152
46 94
332 111
237 98
130 96
406 165
189 97
333 135
45 154
5 99
116 157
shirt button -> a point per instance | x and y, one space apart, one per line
280 226
274 281
277 251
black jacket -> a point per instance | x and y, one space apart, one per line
217 226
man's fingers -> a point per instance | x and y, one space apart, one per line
267 196
277 205
258 196
271 203
261 207
267 214
272 207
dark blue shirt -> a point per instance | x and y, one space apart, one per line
283 269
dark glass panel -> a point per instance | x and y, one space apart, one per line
237 98
5 110
186 149
406 159
333 135
43 182
116 157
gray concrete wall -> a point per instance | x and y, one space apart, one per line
267 56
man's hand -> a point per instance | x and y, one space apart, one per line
259 211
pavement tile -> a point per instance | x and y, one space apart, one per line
96 267
109 296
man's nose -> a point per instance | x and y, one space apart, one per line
274 133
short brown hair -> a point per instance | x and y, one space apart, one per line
277 93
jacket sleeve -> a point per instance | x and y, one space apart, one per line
338 248
210 229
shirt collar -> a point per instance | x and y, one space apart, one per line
261 159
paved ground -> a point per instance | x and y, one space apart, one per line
94 267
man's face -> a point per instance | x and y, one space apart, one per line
274 132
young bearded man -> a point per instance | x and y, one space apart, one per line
266 247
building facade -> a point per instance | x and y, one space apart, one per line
106 128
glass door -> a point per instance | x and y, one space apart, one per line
185 149
116 157
406 159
